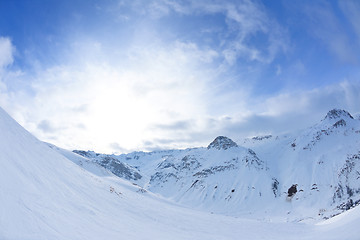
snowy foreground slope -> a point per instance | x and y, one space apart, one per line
47 195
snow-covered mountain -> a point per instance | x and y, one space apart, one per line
212 178
321 162
51 193
209 178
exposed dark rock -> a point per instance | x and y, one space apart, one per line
338 113
275 187
292 190
252 160
167 163
317 137
162 177
208 171
347 174
259 138
83 153
348 205
194 183
117 167
222 142
340 123
189 162
122 170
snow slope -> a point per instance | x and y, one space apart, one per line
45 195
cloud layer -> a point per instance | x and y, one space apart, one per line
151 75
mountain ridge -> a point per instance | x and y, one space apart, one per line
184 175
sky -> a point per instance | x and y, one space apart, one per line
116 76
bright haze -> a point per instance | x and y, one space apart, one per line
119 76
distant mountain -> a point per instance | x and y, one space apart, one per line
321 162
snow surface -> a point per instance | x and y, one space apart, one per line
45 194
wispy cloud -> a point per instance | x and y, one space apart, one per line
325 25
351 10
245 22
117 102
6 52
249 20
6 58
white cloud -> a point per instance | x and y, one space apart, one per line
162 98
6 58
248 19
245 20
327 27
290 111
351 11
117 102
6 52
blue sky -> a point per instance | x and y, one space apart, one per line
118 76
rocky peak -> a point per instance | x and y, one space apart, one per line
222 142
338 114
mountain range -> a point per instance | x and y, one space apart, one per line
322 162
